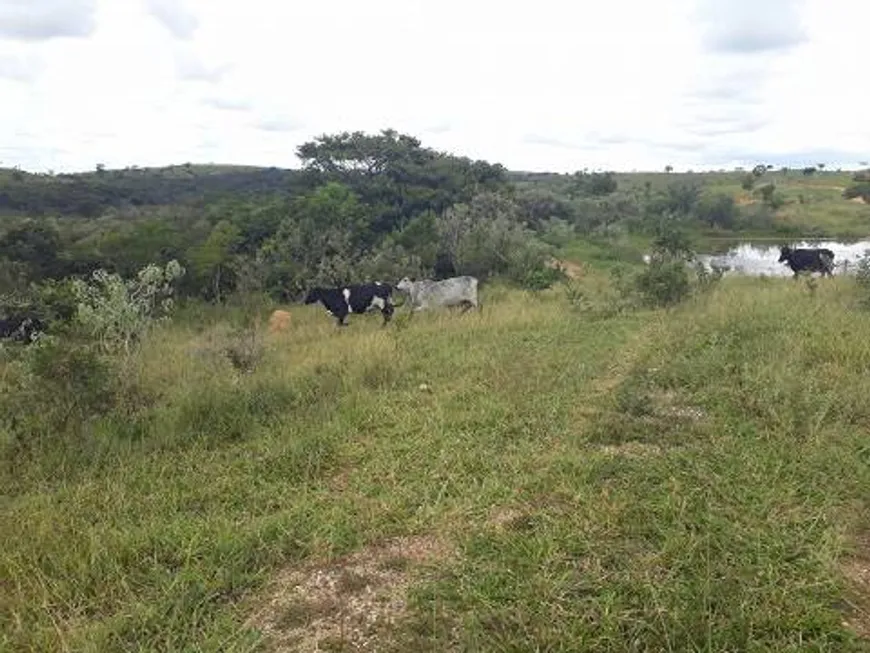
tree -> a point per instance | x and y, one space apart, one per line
748 182
669 169
485 237
37 245
394 175
681 198
211 260
596 184
717 210
323 235
820 166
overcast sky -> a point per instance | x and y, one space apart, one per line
554 85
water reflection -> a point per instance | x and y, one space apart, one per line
756 259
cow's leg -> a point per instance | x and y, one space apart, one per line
387 311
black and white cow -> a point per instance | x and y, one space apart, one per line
21 327
357 298
810 260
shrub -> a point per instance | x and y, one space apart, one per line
664 282
860 189
117 312
245 348
52 391
717 210
486 238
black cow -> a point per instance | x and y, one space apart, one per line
357 298
811 260
20 327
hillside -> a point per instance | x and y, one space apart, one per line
92 194
611 456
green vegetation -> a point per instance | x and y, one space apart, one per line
624 457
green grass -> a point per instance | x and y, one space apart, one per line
814 206
691 479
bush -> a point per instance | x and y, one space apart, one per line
717 210
117 312
860 189
557 232
486 238
617 298
52 391
540 278
769 196
664 282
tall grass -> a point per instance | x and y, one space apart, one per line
689 479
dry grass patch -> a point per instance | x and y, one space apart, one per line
631 449
856 569
571 270
505 517
351 604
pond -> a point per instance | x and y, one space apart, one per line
760 259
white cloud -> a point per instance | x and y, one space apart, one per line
19 67
39 20
624 84
174 16
749 26
189 66
279 124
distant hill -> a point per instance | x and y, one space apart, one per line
89 194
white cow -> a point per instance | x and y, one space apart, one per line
457 291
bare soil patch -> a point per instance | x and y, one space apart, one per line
350 604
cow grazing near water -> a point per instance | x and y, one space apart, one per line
807 260
457 291
357 298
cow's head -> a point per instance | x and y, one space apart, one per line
404 285
313 295
784 253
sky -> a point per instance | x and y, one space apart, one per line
550 85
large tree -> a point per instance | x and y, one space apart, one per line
395 175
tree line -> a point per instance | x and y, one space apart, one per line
361 207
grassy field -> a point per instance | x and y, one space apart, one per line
532 477
814 206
